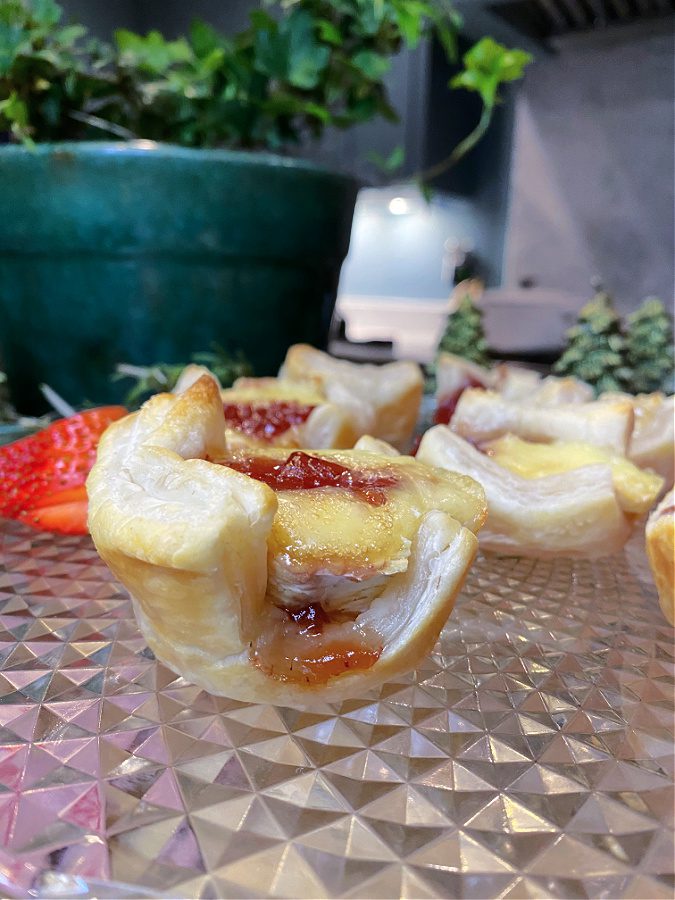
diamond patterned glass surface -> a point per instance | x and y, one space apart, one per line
531 755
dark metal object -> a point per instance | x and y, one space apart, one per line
538 21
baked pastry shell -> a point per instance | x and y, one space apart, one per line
189 541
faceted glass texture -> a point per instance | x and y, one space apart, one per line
530 756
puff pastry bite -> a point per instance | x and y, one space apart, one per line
483 415
292 578
383 401
652 442
579 513
636 490
454 375
554 391
660 538
271 412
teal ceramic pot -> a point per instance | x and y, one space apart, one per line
143 253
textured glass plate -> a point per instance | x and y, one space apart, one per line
530 756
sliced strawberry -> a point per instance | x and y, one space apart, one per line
70 495
55 460
65 518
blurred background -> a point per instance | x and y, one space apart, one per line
574 181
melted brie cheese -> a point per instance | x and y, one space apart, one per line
330 544
259 391
636 489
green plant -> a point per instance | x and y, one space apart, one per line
649 348
596 349
163 376
300 67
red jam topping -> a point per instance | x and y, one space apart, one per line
448 404
266 420
308 646
304 472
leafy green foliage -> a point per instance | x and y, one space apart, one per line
300 67
596 349
649 348
163 376
464 335
388 164
47 71
487 65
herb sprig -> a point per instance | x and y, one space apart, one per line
161 377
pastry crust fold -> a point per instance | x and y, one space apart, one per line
652 443
483 415
570 514
191 540
660 539
384 401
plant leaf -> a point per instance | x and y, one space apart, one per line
388 164
371 64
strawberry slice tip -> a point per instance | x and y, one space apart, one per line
42 476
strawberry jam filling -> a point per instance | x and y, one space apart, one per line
448 404
301 471
265 421
309 646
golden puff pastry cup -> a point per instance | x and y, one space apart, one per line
586 511
315 423
383 401
660 538
269 412
297 597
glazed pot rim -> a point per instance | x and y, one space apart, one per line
157 150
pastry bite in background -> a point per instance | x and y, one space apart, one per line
660 540
454 375
320 402
383 401
563 474
636 489
270 575
483 404
548 500
652 441
271 412
484 415
555 391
